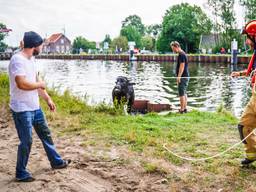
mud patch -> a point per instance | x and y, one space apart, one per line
107 171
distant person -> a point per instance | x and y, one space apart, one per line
25 89
223 50
182 74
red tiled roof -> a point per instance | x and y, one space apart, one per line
5 30
54 37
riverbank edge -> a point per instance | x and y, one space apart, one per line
197 58
190 135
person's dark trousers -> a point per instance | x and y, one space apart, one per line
182 86
24 121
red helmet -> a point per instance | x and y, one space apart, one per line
250 28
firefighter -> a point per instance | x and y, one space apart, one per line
248 120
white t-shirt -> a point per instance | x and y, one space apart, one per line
22 100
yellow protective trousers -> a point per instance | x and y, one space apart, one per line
247 125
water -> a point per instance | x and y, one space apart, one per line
96 79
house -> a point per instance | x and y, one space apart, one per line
215 40
57 43
208 42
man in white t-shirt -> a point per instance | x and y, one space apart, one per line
25 89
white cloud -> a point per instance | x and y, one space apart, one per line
89 18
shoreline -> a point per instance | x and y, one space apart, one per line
131 148
193 58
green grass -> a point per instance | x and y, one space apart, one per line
4 88
196 134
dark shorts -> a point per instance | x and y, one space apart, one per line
182 87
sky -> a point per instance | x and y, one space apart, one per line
92 19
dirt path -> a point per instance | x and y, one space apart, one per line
87 173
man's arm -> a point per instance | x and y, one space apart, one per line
238 73
24 84
43 93
181 70
46 97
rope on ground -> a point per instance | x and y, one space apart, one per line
211 157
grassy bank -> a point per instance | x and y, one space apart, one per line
196 134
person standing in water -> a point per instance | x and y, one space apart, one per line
182 74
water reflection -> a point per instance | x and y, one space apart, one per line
95 79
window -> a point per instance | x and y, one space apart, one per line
62 49
57 49
62 41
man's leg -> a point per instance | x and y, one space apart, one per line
44 134
185 93
182 88
246 126
186 102
182 103
23 124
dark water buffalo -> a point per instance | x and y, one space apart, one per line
123 93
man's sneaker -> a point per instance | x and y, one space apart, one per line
29 179
63 165
246 161
183 111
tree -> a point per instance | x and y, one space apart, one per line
228 20
250 9
107 39
3 46
214 7
147 43
134 21
119 42
132 34
225 22
82 43
163 43
153 30
183 23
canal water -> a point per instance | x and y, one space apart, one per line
94 80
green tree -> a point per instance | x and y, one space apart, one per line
119 42
225 21
81 42
135 21
214 7
107 39
132 34
183 23
147 43
153 30
250 9
3 46
229 21
163 43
